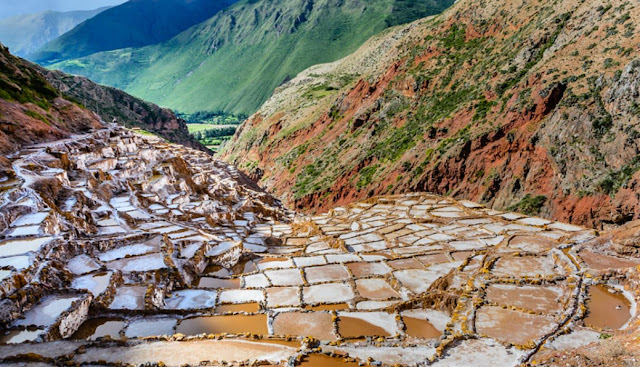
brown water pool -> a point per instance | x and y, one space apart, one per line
606 308
234 324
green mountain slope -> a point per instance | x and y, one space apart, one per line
25 34
135 23
234 61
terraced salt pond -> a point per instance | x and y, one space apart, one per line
183 260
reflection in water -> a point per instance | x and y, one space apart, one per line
19 336
93 329
47 311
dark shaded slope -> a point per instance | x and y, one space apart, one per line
135 23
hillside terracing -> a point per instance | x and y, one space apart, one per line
121 249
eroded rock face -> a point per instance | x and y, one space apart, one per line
116 235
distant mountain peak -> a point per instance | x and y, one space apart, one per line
132 24
24 34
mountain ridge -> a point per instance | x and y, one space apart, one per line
38 105
516 105
32 111
25 34
135 23
234 60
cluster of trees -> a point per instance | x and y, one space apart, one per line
214 133
214 117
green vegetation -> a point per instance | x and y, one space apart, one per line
366 176
319 91
234 61
432 109
36 115
212 128
619 179
529 205
512 81
210 135
482 109
287 159
405 11
211 118
315 177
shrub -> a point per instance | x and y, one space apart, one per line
529 205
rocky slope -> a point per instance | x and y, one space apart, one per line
41 105
25 34
530 106
113 104
120 249
233 61
31 110
132 24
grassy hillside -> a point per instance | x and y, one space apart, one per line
528 106
24 34
135 23
233 61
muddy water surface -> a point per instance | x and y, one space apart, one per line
217 283
323 360
245 307
351 327
334 307
601 262
606 308
236 324
422 329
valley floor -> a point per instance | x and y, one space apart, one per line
118 248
